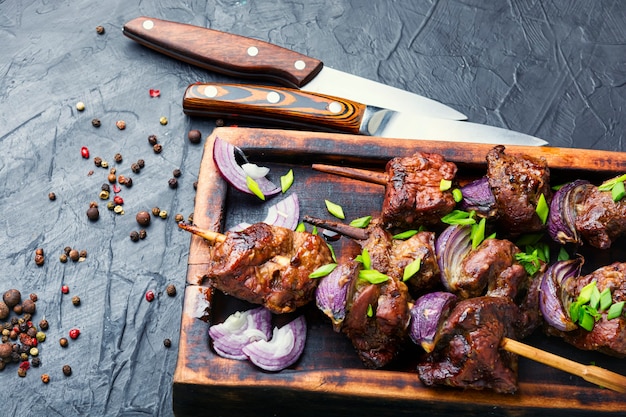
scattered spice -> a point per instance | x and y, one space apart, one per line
96 122
33 297
105 164
12 297
4 313
116 188
63 342
67 370
63 258
150 296
195 185
179 218
65 289
135 168
52 196
154 93
141 163
143 218
84 152
163 214
163 120
97 161
118 209
121 125
143 234
157 148
45 378
156 211
74 333
118 200
173 183
118 157
100 30
29 306
93 214
76 300
171 290
194 136
134 236
39 258
43 324
152 140
104 195
74 255
112 178
80 106
177 173
167 343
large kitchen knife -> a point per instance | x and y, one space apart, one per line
249 58
281 105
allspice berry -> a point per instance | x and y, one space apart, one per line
29 306
12 297
143 218
5 350
93 214
4 311
194 136
67 370
74 255
171 290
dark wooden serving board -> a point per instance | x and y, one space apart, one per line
329 379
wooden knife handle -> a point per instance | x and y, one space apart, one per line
274 105
224 52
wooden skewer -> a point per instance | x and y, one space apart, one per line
590 373
213 237
374 177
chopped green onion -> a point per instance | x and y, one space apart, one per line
301 227
372 276
615 311
585 293
586 320
405 235
574 311
530 261
542 209
412 269
365 259
594 300
286 181
457 195
323 270
491 236
444 184
606 299
332 252
618 191
370 310
459 217
335 209
254 187
361 222
609 184
478 233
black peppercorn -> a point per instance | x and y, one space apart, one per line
67 370
167 343
100 30
52 196
141 163
171 290
135 168
194 136
63 258
128 182
43 324
118 157
143 234
156 211
95 122
152 140
176 173
157 148
195 185
35 362
76 300
173 183
97 161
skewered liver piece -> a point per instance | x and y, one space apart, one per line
517 183
268 265
599 219
467 353
607 336
412 194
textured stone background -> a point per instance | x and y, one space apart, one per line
554 69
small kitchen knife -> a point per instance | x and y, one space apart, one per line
323 112
249 58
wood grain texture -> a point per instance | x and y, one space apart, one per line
223 52
329 378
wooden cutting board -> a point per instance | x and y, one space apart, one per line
329 379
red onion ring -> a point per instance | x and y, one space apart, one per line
451 247
239 330
562 217
331 294
426 315
285 213
551 304
282 350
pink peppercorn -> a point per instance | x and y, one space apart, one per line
150 296
84 152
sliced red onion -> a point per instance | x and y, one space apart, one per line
282 350
477 196
285 213
451 247
239 330
331 294
254 171
226 163
562 217
426 315
552 306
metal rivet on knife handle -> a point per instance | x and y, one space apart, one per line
288 105
253 51
148 24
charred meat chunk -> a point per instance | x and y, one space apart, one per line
467 355
599 219
268 265
412 195
607 336
419 246
517 183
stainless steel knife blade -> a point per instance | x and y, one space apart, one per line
297 108
250 58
